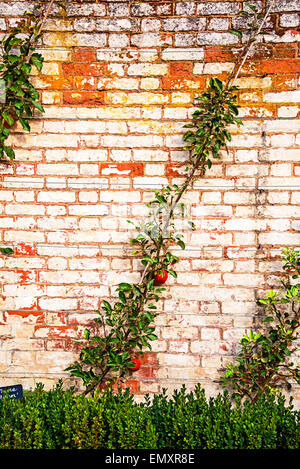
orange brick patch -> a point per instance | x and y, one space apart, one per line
280 66
122 169
286 81
181 69
56 331
25 250
83 69
85 83
86 98
39 315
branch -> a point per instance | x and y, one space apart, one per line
245 52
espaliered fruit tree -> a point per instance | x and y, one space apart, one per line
125 327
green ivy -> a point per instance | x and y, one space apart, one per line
18 97
18 59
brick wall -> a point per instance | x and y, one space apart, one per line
118 85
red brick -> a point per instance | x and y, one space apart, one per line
84 83
84 55
216 54
280 66
25 250
122 169
83 69
181 69
149 358
85 98
284 51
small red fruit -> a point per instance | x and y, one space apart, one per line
137 364
161 277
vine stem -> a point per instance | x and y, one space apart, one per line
45 17
248 46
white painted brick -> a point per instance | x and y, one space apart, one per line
282 97
88 210
183 54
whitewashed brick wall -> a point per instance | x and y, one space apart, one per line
119 83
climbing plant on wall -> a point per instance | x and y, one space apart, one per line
18 97
264 362
125 325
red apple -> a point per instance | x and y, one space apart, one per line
161 277
137 364
6 124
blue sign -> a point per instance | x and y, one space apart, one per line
14 392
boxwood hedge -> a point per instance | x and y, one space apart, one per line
62 419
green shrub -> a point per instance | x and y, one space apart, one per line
60 419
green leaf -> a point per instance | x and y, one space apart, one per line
152 337
124 286
181 244
107 306
38 106
37 60
122 297
26 68
13 58
236 32
252 7
173 273
268 319
10 152
8 118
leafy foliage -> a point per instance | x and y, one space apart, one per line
264 361
20 97
217 110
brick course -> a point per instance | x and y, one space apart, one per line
118 84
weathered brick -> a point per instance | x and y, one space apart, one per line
118 86
183 54
184 24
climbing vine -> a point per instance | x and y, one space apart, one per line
264 361
18 97
125 325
